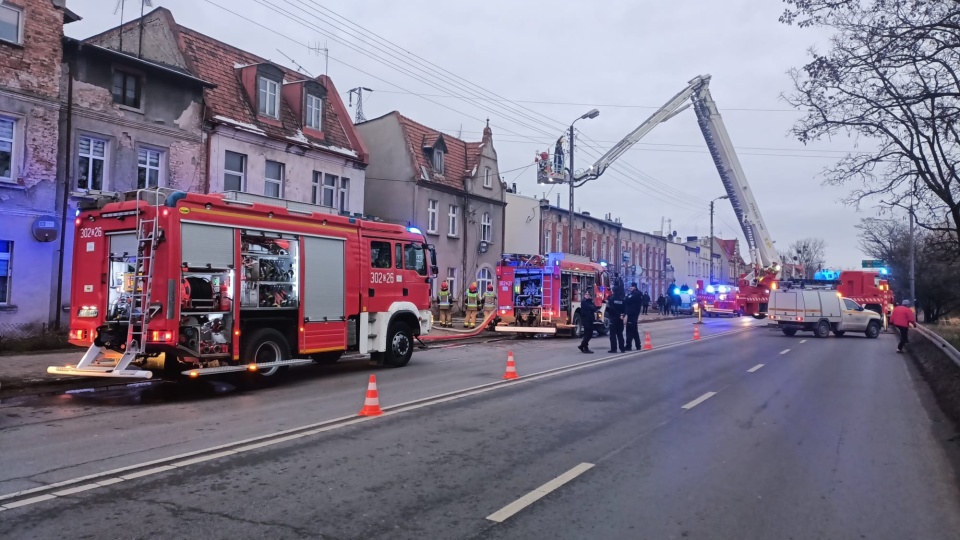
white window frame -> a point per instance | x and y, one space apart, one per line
486 227
453 225
161 180
313 112
90 159
19 12
593 249
328 190
12 179
8 256
547 237
433 207
583 245
438 160
486 178
343 194
452 282
603 251
241 173
482 282
560 240
268 97
279 182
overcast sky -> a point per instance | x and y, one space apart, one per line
539 65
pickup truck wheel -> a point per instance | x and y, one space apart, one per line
873 330
266 345
839 333
789 331
822 329
399 345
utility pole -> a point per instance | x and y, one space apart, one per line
711 235
570 231
359 91
913 249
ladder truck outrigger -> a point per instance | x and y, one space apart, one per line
173 283
754 286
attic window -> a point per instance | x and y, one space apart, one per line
314 112
438 160
269 97
126 89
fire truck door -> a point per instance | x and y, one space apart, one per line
323 294
415 285
381 276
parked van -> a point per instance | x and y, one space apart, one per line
821 311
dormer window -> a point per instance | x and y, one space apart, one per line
269 97
314 112
438 160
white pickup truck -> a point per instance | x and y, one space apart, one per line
821 311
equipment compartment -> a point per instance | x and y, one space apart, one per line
269 278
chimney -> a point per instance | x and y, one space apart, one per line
515 186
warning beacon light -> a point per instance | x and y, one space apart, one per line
414 230
710 289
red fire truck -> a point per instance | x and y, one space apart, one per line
719 300
865 287
541 294
191 284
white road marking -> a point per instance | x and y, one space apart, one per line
77 489
509 510
803 341
699 400
785 351
754 368
262 441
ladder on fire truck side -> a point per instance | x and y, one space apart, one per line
546 299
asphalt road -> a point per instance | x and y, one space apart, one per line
829 438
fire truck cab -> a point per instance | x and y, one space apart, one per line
185 283
542 294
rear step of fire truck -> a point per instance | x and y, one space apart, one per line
138 316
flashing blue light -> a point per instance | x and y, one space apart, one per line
603 264
710 289
722 289
415 230
883 271
78 213
676 290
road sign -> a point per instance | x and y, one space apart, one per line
873 263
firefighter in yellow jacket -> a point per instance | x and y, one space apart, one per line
472 303
489 302
443 303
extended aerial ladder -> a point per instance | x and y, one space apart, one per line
760 245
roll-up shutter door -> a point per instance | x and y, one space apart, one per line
323 280
207 245
123 243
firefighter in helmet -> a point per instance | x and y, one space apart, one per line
489 302
443 303
472 303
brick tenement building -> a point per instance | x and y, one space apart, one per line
31 34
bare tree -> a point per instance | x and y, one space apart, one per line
809 254
889 78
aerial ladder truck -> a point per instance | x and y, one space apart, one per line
754 285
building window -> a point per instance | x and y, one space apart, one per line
273 179
432 206
92 165
438 160
452 282
583 246
593 249
327 189
126 89
560 248
314 118
234 172
7 130
11 24
269 102
487 182
6 270
149 165
546 241
452 225
484 278
344 192
603 251
486 228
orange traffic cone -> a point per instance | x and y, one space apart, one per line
371 405
511 368
696 333
647 345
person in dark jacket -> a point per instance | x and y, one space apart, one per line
588 314
661 305
616 315
632 307
645 303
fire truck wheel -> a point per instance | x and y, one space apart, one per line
399 345
266 345
822 329
873 330
789 331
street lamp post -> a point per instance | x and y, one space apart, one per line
711 234
593 113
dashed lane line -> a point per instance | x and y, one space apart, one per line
699 400
754 368
785 351
509 510
803 341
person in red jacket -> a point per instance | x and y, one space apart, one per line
903 318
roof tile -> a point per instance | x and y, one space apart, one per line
458 162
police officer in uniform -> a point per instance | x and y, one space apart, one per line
588 314
632 307
616 314
489 302
443 302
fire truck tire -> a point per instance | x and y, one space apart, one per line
266 345
789 331
822 329
873 330
399 345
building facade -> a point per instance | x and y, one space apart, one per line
448 188
32 212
